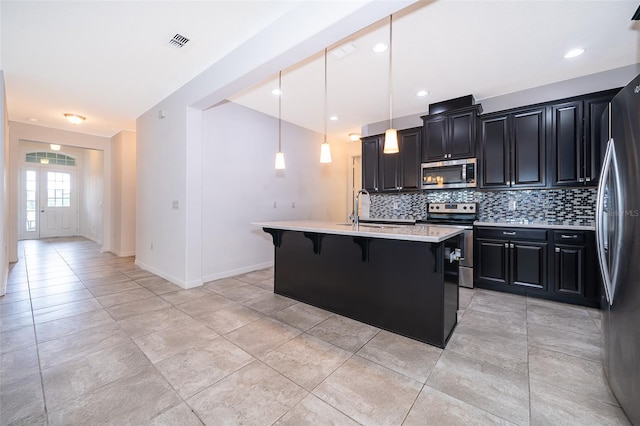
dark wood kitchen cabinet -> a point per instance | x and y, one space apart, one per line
513 149
511 259
450 135
575 270
551 264
392 172
577 145
370 167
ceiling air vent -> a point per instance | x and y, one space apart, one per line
178 41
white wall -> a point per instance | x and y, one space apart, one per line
241 186
123 193
4 162
92 194
618 77
169 165
28 132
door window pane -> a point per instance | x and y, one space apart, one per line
30 181
58 189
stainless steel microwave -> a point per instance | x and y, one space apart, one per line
449 174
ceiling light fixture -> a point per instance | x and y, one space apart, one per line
391 135
354 136
573 53
333 118
44 161
422 93
380 47
74 118
55 147
325 148
280 155
277 92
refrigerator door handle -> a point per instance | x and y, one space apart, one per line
600 217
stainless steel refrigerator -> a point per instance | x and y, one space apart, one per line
618 240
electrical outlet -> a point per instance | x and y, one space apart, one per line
275 205
396 205
151 246
175 204
512 205
293 204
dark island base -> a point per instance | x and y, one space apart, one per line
395 285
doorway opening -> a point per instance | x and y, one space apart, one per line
49 203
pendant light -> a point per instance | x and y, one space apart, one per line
391 135
280 154
325 148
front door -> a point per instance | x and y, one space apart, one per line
58 203
49 202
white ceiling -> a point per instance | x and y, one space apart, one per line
111 61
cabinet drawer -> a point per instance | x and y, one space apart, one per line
569 237
512 233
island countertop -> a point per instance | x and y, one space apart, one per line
423 233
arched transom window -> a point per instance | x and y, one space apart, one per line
50 158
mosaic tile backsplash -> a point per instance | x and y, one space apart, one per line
555 206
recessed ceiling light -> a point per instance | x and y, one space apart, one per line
277 92
32 119
380 47
422 93
573 53
354 136
55 147
333 118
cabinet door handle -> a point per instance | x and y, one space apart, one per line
580 179
508 233
588 179
506 245
569 237
557 249
511 245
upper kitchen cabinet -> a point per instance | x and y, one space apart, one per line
371 147
513 149
450 135
577 147
392 172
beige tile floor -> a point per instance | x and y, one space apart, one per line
88 338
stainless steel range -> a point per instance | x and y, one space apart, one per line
459 215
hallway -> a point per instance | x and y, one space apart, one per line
88 338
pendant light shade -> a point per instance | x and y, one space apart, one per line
325 153
390 142
325 148
391 135
280 161
280 155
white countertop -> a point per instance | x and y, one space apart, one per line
424 233
535 224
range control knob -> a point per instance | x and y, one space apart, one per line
465 207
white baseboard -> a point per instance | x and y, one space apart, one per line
237 271
124 253
173 280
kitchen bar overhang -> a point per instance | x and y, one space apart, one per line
389 276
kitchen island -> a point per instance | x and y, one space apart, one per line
389 276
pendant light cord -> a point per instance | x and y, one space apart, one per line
326 110
390 70
280 112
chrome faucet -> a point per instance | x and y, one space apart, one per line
356 217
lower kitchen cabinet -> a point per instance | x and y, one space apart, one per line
514 259
575 267
550 264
